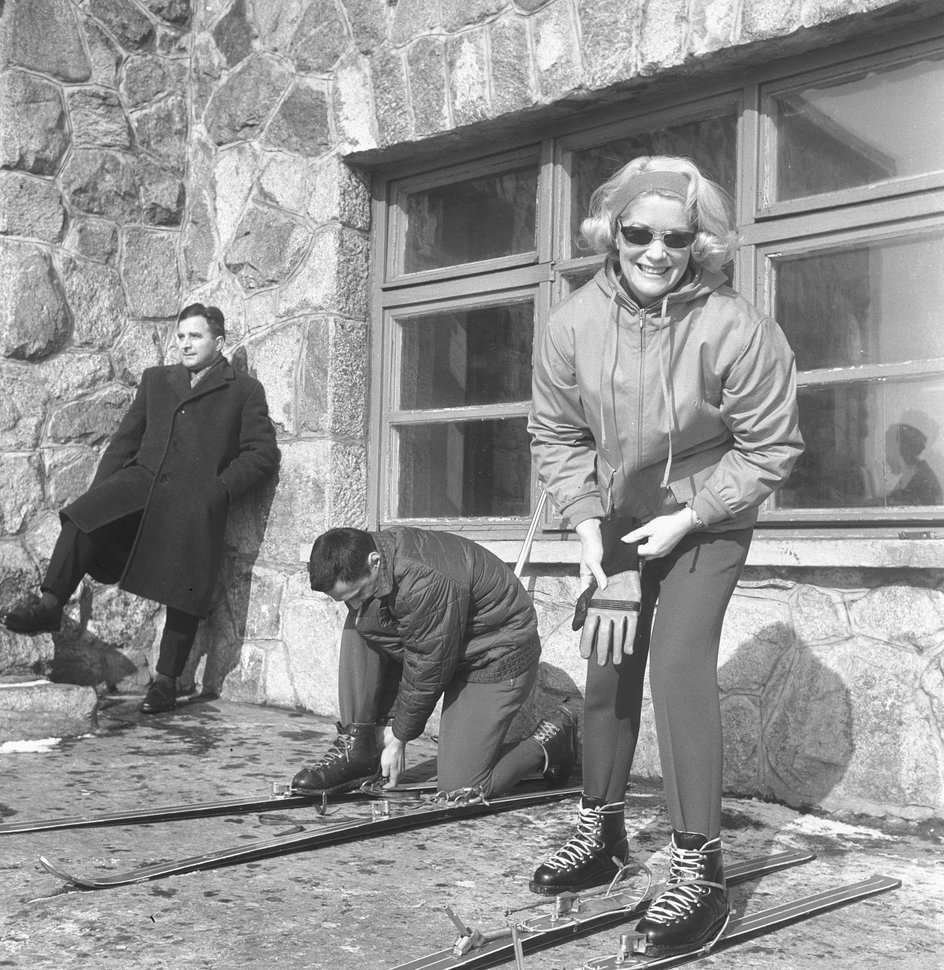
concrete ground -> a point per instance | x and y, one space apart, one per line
379 902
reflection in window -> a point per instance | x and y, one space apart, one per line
466 356
860 131
875 445
464 468
711 143
464 222
871 302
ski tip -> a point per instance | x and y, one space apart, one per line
59 873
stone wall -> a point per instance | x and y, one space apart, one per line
158 151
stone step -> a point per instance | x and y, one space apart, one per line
32 710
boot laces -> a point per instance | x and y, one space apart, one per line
545 732
583 844
686 886
340 750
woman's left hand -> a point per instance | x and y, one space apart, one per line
661 534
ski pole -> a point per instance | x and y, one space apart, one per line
529 538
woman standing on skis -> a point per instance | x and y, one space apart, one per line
664 413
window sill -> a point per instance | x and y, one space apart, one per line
924 551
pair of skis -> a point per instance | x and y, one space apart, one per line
576 916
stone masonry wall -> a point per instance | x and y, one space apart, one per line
153 152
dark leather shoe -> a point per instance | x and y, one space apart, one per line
161 696
31 616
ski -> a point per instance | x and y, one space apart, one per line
574 915
756 924
280 800
432 811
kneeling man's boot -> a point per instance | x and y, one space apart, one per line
693 910
353 758
557 735
592 856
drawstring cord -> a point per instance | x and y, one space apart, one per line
668 394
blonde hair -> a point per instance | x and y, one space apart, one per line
706 206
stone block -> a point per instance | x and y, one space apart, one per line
68 473
31 207
19 576
105 56
92 419
177 12
412 19
135 350
712 25
266 248
22 406
427 73
662 32
511 65
101 183
818 615
276 356
29 712
69 374
320 38
392 114
33 133
162 193
467 60
233 34
93 239
333 276
146 78
161 130
339 193
34 318
608 40
198 240
332 381
556 51
311 630
368 22
300 124
25 655
240 107
21 490
233 178
285 182
277 20
264 615
149 271
898 613
763 19
43 36
207 68
757 641
352 101
457 14
98 119
125 21
97 301
740 718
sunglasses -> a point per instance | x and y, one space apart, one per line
641 236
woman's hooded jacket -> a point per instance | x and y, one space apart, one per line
642 410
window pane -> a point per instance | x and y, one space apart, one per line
881 125
711 143
464 222
466 356
464 468
874 445
875 302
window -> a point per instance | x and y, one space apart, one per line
842 221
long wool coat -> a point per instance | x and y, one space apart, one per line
180 456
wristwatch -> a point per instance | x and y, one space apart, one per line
696 518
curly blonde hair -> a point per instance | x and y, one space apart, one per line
707 208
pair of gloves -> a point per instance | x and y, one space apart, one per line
607 617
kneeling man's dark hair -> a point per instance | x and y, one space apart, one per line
339 556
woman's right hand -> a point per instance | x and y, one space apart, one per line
591 553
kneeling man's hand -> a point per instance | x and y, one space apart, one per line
392 758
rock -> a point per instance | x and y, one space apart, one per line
33 135
101 183
98 119
18 577
31 207
332 385
105 54
354 119
300 124
92 419
99 309
161 130
339 193
176 12
467 59
428 85
149 271
266 248
146 78
162 193
332 277
43 36
68 473
34 318
320 38
30 712
133 29
136 349
22 406
242 104
93 239
233 34
21 490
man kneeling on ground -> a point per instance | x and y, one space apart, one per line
431 615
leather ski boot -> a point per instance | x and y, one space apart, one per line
592 856
557 735
354 757
693 910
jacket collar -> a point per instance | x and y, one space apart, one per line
700 283
219 374
386 546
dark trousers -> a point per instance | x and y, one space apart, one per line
473 726
74 553
692 587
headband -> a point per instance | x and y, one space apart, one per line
674 183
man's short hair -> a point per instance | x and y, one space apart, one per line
212 314
339 556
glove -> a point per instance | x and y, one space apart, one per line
607 618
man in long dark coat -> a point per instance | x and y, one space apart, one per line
196 438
